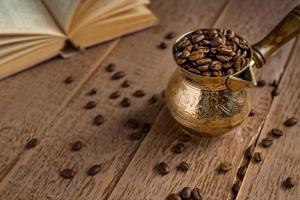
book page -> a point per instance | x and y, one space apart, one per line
63 11
26 17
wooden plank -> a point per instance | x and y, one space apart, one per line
32 99
35 176
282 159
140 181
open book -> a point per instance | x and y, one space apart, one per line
32 31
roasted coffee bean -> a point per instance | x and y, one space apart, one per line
196 55
275 92
249 151
274 83
118 75
204 49
139 93
185 138
154 99
207 73
31 143
69 80
185 54
266 142
162 45
188 48
196 193
227 65
238 63
173 197
163 168
230 34
125 102
206 42
291 122
180 61
125 84
186 193
114 95
276 132
146 127
244 54
110 67
197 38
216 65
92 92
223 58
184 42
98 120
90 105
170 35
178 148
257 157
225 167
230 71
67 173
252 113
226 51
76 146
183 166
289 182
135 136
216 42
203 68
193 70
95 169
242 171
132 123
236 186
261 83
217 73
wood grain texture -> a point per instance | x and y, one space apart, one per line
32 99
282 159
36 176
140 181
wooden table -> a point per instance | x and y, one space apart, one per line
37 104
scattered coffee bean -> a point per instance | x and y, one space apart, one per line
252 113
289 182
276 132
274 83
139 93
261 83
291 122
173 197
275 92
132 123
257 157
125 102
31 143
242 171
249 151
212 52
114 95
110 67
146 127
196 193
125 84
225 167
76 146
266 142
135 136
154 99
183 166
178 148
118 75
170 35
69 80
236 186
90 105
186 193
95 169
98 120
67 173
91 92
163 168
185 138
162 45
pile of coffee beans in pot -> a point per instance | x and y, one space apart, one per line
212 52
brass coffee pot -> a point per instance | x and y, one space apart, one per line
211 106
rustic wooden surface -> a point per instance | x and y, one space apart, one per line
36 103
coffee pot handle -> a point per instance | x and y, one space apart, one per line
288 28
